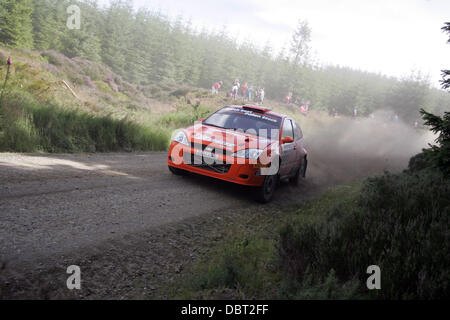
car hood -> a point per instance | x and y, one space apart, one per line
229 140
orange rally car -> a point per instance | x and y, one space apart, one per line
248 145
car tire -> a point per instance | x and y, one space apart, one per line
176 171
265 192
304 167
296 178
301 172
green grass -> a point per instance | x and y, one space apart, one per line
28 125
246 264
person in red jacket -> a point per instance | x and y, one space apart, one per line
287 99
244 90
215 88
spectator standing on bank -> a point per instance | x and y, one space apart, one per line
235 91
215 88
244 90
249 93
287 99
256 97
262 94
396 118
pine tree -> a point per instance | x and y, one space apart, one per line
300 45
15 23
85 42
194 56
116 35
163 56
300 50
139 56
48 24
446 73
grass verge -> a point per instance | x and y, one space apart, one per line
246 265
27 125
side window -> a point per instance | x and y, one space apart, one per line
297 131
287 129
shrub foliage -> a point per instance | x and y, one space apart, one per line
399 222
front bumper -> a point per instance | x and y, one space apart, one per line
187 158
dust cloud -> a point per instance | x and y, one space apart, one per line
346 149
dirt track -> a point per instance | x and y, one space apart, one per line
122 217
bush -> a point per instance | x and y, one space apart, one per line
400 223
243 266
438 156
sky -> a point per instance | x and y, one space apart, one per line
391 37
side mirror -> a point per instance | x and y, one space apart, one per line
202 119
287 140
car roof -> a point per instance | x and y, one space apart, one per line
260 109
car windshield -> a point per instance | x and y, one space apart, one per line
246 120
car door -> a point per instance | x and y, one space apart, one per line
288 150
299 145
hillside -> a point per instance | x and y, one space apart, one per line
47 80
99 91
78 88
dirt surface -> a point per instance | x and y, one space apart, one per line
123 218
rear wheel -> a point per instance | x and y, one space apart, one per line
301 172
264 194
296 178
176 171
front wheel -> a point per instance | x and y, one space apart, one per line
264 193
176 171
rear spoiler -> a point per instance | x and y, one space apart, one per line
257 109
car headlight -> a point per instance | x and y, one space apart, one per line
248 154
181 137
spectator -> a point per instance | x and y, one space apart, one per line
303 111
396 118
244 89
262 95
287 99
235 91
215 88
257 92
249 93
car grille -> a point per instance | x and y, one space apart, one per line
199 162
204 146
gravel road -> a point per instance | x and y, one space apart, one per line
112 214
